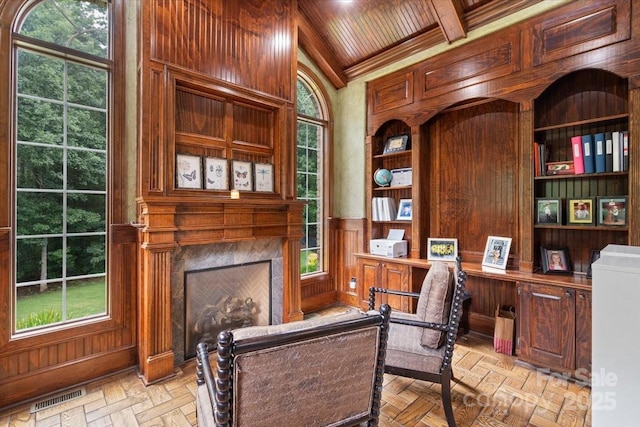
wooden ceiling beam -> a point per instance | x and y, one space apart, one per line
449 14
320 53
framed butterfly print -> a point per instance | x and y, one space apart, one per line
241 176
216 173
264 176
188 171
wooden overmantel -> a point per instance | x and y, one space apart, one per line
168 222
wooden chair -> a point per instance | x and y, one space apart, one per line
421 345
317 372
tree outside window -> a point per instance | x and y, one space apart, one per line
61 159
311 129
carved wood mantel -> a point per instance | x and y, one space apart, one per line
166 223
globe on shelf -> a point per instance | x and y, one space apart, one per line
382 177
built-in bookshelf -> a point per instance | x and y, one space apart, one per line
573 119
385 201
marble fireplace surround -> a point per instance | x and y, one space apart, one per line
197 231
215 255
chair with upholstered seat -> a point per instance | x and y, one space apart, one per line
421 345
317 372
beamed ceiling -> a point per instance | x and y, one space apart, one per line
347 38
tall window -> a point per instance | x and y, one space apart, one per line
311 135
63 66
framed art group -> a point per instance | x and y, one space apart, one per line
214 173
604 210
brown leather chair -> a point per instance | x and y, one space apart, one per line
421 345
322 371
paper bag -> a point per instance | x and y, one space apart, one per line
504 332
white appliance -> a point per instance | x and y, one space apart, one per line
615 391
393 246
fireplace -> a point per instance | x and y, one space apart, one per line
223 298
213 278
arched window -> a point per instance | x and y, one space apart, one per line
312 171
63 74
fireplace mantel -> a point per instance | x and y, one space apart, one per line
168 222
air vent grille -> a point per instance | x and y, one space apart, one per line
55 400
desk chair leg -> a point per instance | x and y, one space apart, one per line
446 396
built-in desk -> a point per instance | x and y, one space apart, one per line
553 312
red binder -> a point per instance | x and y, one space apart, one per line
578 160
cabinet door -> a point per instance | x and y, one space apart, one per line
369 275
583 333
396 277
546 325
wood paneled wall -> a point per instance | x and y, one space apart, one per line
248 44
474 112
217 79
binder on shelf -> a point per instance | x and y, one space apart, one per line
537 171
615 136
608 152
599 144
576 148
588 154
383 209
625 150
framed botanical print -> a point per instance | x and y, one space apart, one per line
188 171
263 173
442 249
216 173
242 176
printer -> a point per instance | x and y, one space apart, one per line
393 246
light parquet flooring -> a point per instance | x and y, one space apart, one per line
490 390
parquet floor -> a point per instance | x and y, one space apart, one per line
490 390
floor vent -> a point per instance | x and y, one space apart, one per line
60 398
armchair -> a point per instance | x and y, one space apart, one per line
421 345
317 372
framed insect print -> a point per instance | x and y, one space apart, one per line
264 177
216 174
241 176
188 171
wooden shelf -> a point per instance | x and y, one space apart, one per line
585 227
582 175
398 187
582 122
393 154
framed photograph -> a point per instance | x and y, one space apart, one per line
188 171
396 143
496 252
595 255
442 249
581 211
216 173
241 176
612 210
405 210
555 260
401 177
264 177
549 211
